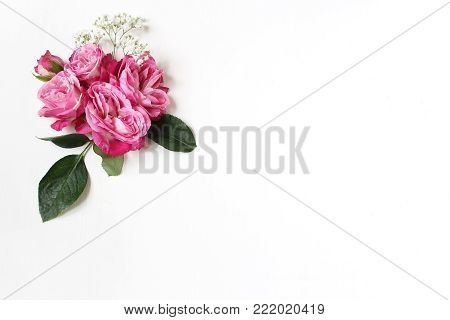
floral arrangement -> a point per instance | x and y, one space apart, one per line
113 102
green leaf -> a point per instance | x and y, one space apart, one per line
112 164
42 78
172 133
61 186
56 67
68 141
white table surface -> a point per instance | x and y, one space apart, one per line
378 153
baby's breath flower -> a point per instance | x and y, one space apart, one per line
102 22
115 29
97 36
131 45
85 37
82 38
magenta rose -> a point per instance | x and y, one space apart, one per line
63 98
85 62
108 69
142 84
117 126
151 78
128 78
49 65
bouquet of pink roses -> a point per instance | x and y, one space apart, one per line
113 105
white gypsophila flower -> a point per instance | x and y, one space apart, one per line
85 37
115 29
82 38
131 45
97 36
102 22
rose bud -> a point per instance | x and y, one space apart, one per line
48 66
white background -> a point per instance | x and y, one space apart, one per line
377 150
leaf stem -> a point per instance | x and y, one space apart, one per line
85 150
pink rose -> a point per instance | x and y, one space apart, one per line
81 125
149 73
154 96
116 126
85 62
63 98
128 74
142 84
49 65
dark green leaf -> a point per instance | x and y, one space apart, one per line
111 164
56 67
67 141
172 133
42 78
61 186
